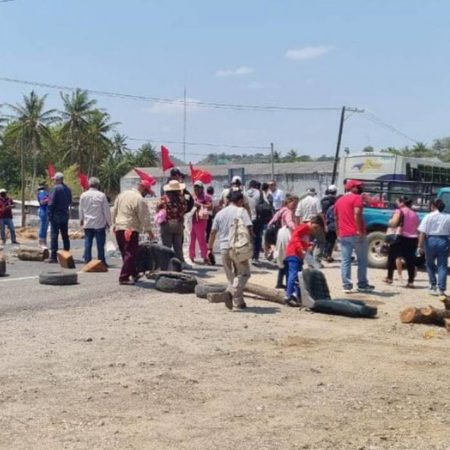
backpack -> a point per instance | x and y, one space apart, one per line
264 211
241 248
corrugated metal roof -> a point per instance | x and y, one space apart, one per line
250 169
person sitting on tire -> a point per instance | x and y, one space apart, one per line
351 232
130 215
298 245
237 271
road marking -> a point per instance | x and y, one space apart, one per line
19 279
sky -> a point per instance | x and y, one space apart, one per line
389 58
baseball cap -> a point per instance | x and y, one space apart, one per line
236 179
175 171
332 188
2 191
198 183
58 176
146 185
350 184
311 191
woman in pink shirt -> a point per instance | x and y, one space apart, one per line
406 221
286 220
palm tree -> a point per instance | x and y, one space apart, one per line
97 142
146 156
112 169
119 144
29 127
291 156
77 109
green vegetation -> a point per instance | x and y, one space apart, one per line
78 138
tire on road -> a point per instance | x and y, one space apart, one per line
58 278
348 308
177 283
374 242
202 290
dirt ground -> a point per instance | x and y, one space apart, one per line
131 368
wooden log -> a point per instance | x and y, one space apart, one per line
32 253
446 301
218 297
95 266
2 265
265 293
65 259
426 315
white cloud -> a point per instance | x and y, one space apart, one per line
243 70
174 107
310 52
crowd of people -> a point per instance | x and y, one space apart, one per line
247 224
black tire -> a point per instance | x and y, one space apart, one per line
177 283
58 278
348 308
316 284
175 265
375 257
202 290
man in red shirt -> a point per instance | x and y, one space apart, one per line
6 217
351 232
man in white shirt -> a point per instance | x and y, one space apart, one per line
308 206
238 273
95 217
277 195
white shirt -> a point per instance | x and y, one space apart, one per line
278 199
94 209
223 221
435 224
253 196
308 207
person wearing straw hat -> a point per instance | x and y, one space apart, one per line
171 209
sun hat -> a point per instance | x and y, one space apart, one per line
350 184
174 185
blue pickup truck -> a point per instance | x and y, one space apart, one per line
377 218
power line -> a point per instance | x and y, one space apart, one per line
231 106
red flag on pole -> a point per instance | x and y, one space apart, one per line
145 176
166 163
51 170
200 175
84 181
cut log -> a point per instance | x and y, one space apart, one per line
95 266
65 259
2 265
265 293
427 315
446 302
32 253
218 297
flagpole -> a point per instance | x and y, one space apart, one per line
184 125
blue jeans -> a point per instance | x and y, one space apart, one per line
12 231
43 224
436 249
294 266
100 238
59 225
359 244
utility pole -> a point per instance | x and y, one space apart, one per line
272 170
338 145
184 125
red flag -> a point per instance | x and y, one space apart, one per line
51 170
166 163
145 176
84 181
200 175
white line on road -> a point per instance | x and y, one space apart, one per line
19 279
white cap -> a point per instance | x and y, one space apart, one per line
236 179
58 176
2 191
332 187
198 183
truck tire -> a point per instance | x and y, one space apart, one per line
374 242
348 308
58 278
177 283
202 290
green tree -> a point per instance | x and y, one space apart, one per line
368 149
112 169
76 113
145 156
291 156
28 130
119 144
